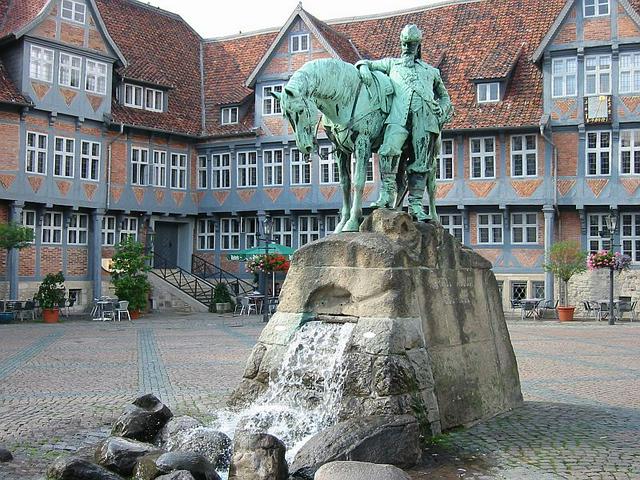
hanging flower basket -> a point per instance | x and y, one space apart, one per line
609 260
267 264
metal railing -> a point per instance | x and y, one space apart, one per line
206 270
196 287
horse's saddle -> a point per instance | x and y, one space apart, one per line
381 92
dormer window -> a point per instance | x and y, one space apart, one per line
74 11
133 95
137 96
300 43
154 100
229 115
596 8
70 69
41 64
488 92
96 80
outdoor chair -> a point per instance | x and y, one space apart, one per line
548 305
624 299
624 307
28 307
515 304
109 310
529 310
247 306
15 307
588 309
122 309
603 310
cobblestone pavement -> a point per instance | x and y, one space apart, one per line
62 385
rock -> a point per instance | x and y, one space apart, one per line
5 455
174 426
359 471
73 468
146 468
142 420
154 465
258 456
214 445
120 455
383 439
177 475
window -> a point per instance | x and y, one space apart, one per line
271 105
308 229
564 77
29 221
630 152
368 174
538 289
78 229
250 229
483 151
230 234
36 158
129 229
272 164
281 231
518 290
488 92
74 11
300 169
489 228
597 75
75 294
203 174
630 235
452 223
108 231
524 156
41 64
133 95
221 171
328 167
69 70
444 167
159 168
178 172
63 157
524 228
598 153
596 8
154 100
596 223
300 43
630 73
206 234
247 169
90 160
229 115
330 223
96 79
52 228
139 166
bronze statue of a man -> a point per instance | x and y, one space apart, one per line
421 106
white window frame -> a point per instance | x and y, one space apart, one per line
73 11
129 229
41 62
52 224
203 172
593 232
528 229
308 229
155 102
282 230
63 160
271 105
78 229
629 66
630 148
131 92
483 156
206 234
527 155
296 43
598 73
492 226
273 168
139 166
601 8
330 224
70 70
96 77
229 234
564 69
250 230
29 220
369 176
90 161
630 235
247 169
299 169
178 171
159 170
488 92
36 154
601 154
329 169
229 116
446 159
221 171
454 224
108 231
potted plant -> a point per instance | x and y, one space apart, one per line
565 259
13 235
129 267
221 299
50 295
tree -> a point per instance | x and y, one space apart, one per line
14 236
129 269
565 260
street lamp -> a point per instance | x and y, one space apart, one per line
611 221
266 237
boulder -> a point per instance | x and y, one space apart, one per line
5 455
143 419
174 426
120 455
392 439
73 468
258 456
177 475
359 471
154 465
214 445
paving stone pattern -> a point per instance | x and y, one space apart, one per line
61 386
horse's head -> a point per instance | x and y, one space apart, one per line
302 114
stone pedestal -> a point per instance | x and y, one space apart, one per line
430 337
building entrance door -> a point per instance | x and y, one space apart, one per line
165 245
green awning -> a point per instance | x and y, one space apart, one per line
274 249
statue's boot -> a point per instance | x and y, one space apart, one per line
388 187
417 184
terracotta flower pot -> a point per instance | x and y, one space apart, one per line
135 314
565 314
50 315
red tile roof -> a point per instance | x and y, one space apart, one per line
16 14
497 64
8 91
338 41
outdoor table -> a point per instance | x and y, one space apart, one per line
257 299
101 304
525 303
604 308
